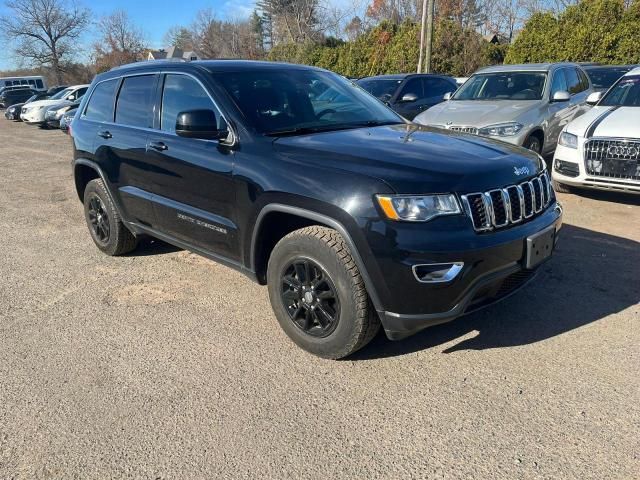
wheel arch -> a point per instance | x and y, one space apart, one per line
264 239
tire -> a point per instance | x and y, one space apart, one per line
533 143
302 311
104 222
561 187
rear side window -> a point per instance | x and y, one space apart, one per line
100 106
135 101
182 93
39 83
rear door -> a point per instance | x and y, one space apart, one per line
193 183
120 141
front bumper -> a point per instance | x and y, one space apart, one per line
33 118
569 169
494 268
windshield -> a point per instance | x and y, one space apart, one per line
284 101
603 78
60 94
503 86
626 93
381 88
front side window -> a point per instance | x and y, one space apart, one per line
182 93
61 94
503 86
381 88
135 101
625 93
559 82
284 101
413 86
573 81
437 87
100 106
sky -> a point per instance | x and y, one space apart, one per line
155 17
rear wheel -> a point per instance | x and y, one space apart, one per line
318 295
105 225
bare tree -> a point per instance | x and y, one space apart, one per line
121 41
43 30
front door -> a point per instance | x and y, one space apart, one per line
194 191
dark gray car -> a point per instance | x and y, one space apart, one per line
526 105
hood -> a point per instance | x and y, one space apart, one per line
619 122
43 103
16 106
414 159
475 113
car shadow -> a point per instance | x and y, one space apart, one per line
592 275
148 246
608 196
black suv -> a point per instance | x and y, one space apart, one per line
12 96
409 94
351 216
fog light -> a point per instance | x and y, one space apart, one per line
437 272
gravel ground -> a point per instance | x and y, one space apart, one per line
165 365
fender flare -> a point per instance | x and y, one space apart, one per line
330 222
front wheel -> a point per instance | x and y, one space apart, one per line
318 295
533 143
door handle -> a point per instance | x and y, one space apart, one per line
105 134
159 146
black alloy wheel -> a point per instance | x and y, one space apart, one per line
310 297
99 219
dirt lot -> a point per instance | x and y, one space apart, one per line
164 365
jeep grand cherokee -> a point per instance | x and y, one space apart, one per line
352 217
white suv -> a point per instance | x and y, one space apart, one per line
601 149
34 112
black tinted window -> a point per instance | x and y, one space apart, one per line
39 83
100 106
413 86
584 81
135 101
436 87
182 93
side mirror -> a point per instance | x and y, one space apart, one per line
409 97
199 124
561 96
594 98
447 96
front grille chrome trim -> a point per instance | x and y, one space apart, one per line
485 208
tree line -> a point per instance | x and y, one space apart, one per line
366 37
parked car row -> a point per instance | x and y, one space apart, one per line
47 109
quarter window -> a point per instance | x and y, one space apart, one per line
100 106
182 93
135 101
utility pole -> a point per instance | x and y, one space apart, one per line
422 32
427 62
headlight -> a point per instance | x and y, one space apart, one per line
568 140
418 208
501 130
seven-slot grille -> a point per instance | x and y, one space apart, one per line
613 158
510 205
472 130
